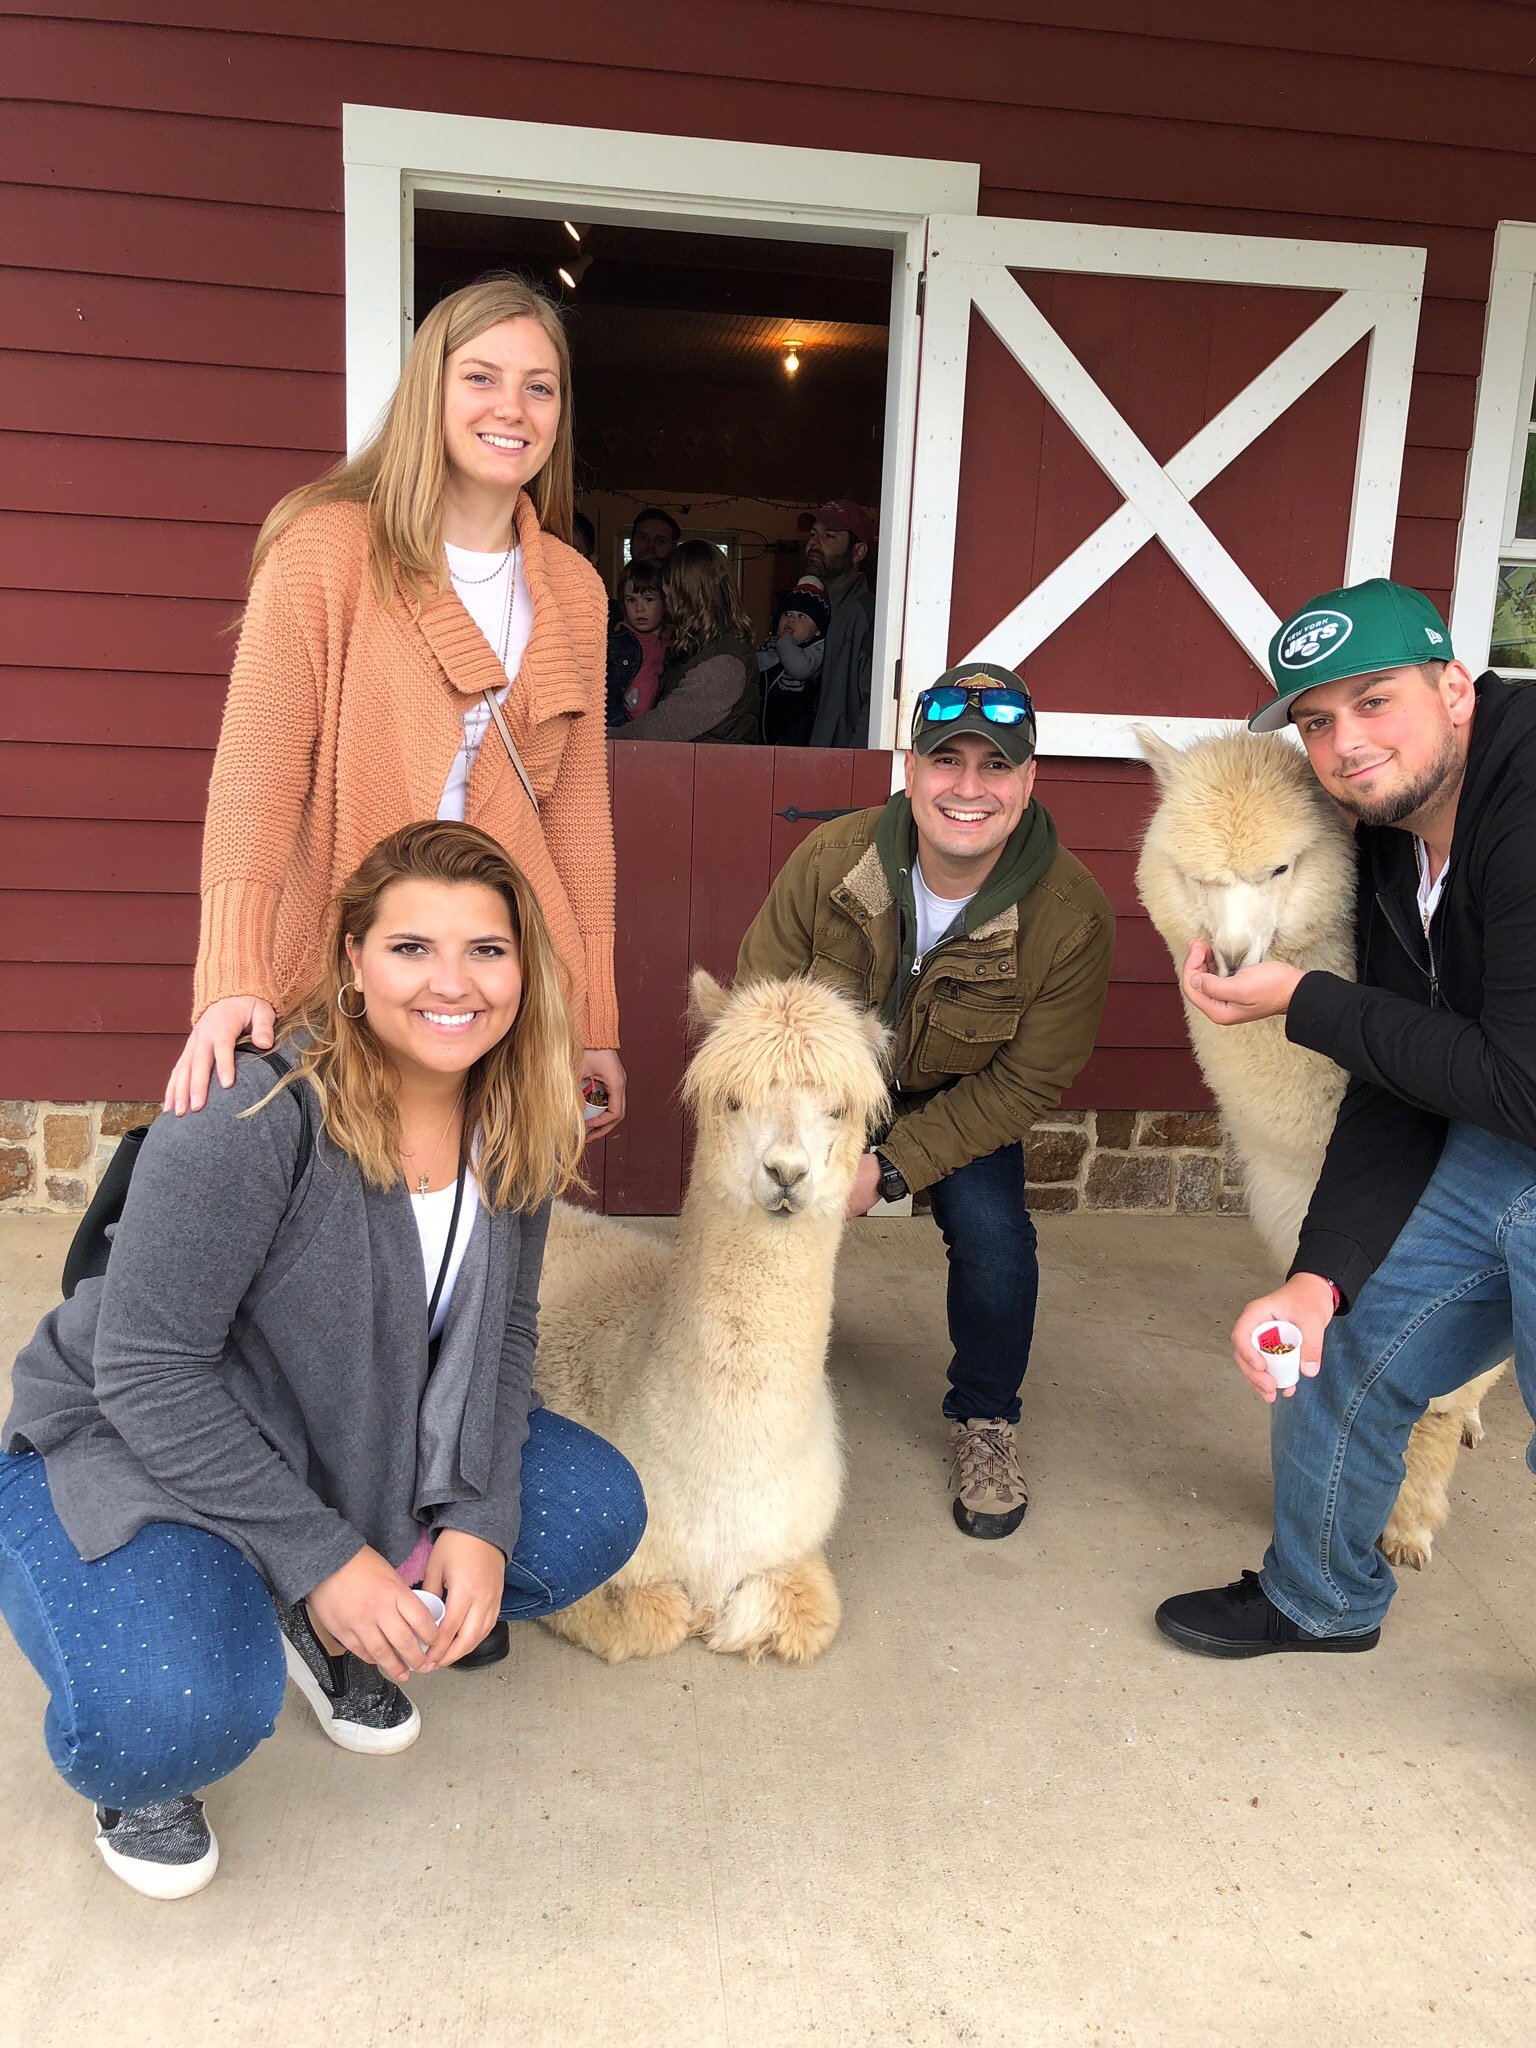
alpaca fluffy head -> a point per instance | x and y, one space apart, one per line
1244 851
786 1086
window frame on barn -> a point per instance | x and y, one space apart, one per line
1504 431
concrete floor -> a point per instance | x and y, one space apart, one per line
1000 1811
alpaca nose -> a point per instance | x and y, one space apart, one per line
787 1172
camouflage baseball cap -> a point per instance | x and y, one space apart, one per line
1354 632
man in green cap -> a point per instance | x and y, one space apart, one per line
986 947
1416 1266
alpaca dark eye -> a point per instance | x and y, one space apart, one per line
1285 869
733 1104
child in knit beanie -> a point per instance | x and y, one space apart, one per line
790 664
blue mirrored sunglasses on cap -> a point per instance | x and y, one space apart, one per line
999 706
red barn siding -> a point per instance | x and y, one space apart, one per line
171 312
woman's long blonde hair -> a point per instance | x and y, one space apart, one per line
401 474
521 1098
701 598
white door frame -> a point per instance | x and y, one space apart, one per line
396 159
969 261
1496 460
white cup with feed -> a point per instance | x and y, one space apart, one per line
1277 1346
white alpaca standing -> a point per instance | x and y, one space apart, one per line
705 1363
1247 853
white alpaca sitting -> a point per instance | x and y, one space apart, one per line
705 1363
1247 853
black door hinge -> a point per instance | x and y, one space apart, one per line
896 680
922 292
793 816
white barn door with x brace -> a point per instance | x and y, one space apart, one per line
1372 294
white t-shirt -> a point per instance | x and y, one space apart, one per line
433 1213
935 914
1429 891
485 599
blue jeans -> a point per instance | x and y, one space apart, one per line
1456 1293
163 1661
994 1283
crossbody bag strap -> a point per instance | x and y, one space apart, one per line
512 754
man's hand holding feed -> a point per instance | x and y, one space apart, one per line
1264 990
1306 1300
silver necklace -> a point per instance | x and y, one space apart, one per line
470 581
476 721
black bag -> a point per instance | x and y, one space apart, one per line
91 1245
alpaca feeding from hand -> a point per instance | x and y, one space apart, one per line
1246 854
705 1361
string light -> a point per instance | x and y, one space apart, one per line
792 360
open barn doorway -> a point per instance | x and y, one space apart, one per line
733 383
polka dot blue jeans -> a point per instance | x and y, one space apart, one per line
163 1661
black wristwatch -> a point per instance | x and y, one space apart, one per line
893 1186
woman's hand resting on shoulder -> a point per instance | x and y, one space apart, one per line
369 1609
469 1576
212 1044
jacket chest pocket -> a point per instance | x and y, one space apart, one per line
960 1034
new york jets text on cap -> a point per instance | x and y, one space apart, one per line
1354 632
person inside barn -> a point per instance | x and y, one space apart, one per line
709 688
420 639
210 1481
789 664
637 646
838 543
653 535
986 947
1416 1266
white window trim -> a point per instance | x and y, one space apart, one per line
396 158
968 264
1504 395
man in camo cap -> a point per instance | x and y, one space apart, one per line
1416 1266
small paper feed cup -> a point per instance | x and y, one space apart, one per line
1277 1346
434 1607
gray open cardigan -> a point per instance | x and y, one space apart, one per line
254 1361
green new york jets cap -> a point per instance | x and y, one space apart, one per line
1354 632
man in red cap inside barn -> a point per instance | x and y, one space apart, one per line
838 540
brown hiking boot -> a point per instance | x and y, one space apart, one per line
990 1494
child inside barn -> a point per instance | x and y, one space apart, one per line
790 664
637 646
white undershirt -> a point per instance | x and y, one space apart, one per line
1429 891
935 914
433 1214
485 599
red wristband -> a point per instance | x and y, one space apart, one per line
1338 1299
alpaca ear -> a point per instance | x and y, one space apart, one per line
1162 758
706 1000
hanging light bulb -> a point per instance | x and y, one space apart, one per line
792 360
571 274
572 230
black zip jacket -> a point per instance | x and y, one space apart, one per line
1436 1030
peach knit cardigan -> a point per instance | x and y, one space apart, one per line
341 724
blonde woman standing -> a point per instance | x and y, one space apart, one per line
417 618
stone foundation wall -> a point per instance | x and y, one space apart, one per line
52 1154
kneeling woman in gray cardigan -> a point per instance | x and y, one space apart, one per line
305 1383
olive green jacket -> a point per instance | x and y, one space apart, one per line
997 1021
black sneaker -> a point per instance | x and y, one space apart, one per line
493 1647
357 1706
166 1851
1241 1620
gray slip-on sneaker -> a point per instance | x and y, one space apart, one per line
356 1705
165 1851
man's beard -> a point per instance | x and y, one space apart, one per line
829 566
1434 781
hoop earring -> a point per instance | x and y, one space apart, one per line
351 988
